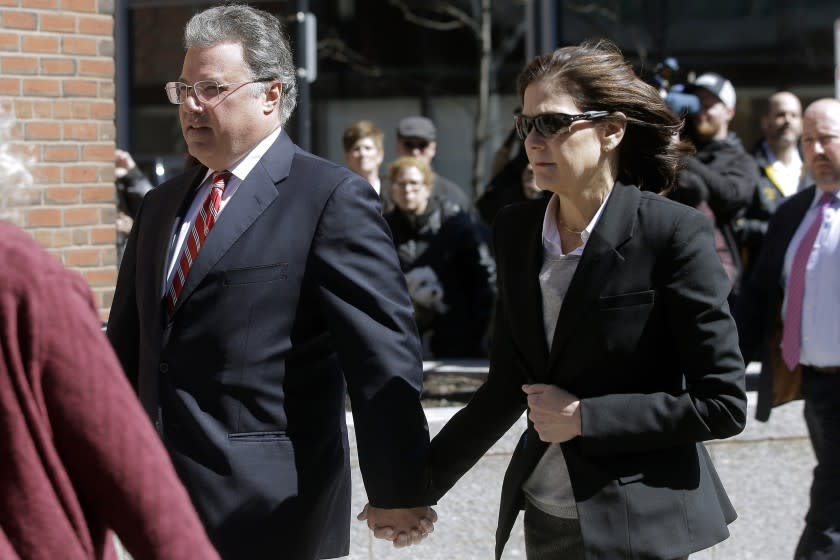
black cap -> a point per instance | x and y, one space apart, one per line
416 127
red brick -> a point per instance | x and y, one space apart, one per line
15 19
45 108
61 195
39 44
62 238
61 152
103 277
19 65
107 214
83 257
78 5
44 237
96 25
103 235
98 152
81 236
9 86
41 4
39 130
58 66
9 42
43 217
98 194
8 2
80 174
99 67
79 109
23 109
58 23
101 110
46 174
78 45
107 131
42 87
80 131
80 216
80 88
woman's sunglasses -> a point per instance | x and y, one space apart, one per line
550 124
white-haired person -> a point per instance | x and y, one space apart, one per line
80 458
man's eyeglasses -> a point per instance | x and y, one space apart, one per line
411 144
551 124
205 91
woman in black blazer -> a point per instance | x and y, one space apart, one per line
612 329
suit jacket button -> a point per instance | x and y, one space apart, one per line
163 368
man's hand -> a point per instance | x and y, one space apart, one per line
555 412
402 526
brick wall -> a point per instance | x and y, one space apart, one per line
57 79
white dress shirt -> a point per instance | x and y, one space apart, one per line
821 304
239 171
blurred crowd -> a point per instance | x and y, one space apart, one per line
442 230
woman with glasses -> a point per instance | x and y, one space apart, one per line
449 270
611 329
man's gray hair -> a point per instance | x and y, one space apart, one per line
264 44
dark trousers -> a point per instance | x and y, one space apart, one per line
821 538
553 538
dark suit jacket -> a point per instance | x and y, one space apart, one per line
296 291
759 307
646 340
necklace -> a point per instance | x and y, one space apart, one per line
570 230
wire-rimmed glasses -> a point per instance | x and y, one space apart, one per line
206 91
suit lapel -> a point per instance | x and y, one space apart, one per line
526 297
599 259
255 194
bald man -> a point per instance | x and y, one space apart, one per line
780 168
797 275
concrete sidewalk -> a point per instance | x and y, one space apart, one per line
766 470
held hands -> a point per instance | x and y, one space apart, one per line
555 412
403 527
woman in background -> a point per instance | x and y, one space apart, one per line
79 456
448 266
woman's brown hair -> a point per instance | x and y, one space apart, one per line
597 78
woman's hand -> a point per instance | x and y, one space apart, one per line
555 412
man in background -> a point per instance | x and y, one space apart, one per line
781 173
720 178
790 318
416 137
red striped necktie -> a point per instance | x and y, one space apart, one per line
201 226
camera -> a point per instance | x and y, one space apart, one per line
676 95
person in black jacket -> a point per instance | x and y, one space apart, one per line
720 178
132 185
448 267
780 168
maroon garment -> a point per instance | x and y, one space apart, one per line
78 455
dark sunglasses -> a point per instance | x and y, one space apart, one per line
411 144
550 124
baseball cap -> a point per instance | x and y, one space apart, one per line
416 127
718 85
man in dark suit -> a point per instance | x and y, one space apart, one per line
791 317
248 305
